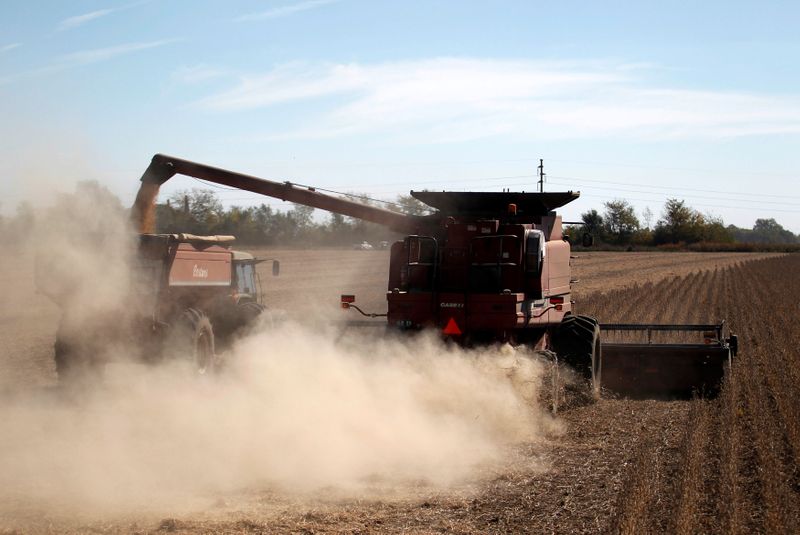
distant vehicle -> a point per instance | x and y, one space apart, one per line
363 246
383 245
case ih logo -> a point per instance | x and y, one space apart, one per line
199 273
451 305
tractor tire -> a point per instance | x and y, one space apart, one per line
73 359
192 340
68 361
577 342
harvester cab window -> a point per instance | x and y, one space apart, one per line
534 251
421 250
494 258
420 267
245 278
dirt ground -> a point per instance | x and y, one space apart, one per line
581 481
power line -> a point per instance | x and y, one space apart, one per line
670 168
577 179
673 192
749 194
350 195
689 196
695 204
438 163
216 186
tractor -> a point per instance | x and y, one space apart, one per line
188 295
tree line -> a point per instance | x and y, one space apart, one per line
201 212
679 226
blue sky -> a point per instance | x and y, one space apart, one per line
635 100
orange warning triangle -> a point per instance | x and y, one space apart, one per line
451 327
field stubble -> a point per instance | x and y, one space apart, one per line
728 465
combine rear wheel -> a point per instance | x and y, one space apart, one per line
577 342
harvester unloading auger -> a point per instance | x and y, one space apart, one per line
495 267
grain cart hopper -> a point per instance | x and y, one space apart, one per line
186 296
484 267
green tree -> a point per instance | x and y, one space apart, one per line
715 231
303 216
682 224
620 221
592 224
676 223
769 231
592 221
198 211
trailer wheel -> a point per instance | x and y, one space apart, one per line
577 341
193 339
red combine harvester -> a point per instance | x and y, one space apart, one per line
495 267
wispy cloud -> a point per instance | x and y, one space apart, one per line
196 74
9 47
449 99
95 55
283 11
79 20
85 57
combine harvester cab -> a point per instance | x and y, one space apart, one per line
655 365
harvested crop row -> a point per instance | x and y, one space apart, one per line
729 465
652 466
736 469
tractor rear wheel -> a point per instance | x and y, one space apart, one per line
192 339
577 342
68 360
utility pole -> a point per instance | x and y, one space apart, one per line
541 175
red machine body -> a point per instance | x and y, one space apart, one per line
484 266
482 279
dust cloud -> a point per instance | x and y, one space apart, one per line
83 247
293 411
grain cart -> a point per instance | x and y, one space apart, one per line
187 295
490 267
